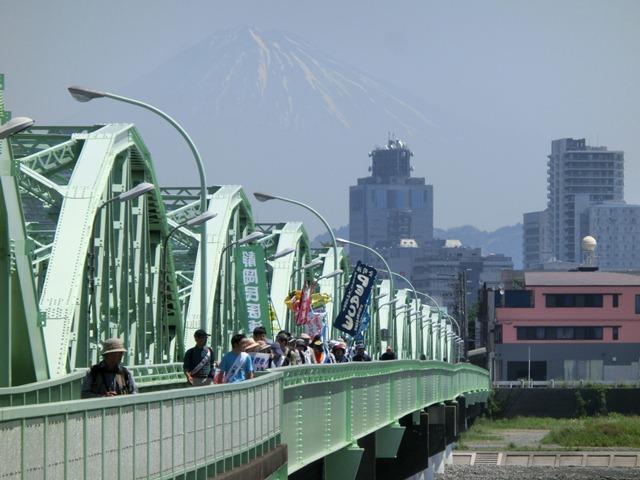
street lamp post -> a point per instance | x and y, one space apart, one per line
82 94
265 197
15 125
131 194
194 222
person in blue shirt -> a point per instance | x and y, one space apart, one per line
236 365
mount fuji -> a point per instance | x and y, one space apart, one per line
273 113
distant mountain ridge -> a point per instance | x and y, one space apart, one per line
506 240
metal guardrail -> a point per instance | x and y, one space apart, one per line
205 430
68 387
315 410
523 383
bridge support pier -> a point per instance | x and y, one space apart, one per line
344 463
462 414
388 440
437 437
451 422
412 455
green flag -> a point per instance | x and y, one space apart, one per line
251 288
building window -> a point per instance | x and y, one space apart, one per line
638 304
615 333
559 333
616 300
518 298
580 300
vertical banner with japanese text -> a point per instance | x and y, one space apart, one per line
354 301
251 288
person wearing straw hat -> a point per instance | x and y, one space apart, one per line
109 378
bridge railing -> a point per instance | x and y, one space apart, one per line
206 430
68 387
351 400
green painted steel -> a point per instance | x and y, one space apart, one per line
349 401
316 410
22 343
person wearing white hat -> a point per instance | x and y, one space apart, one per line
109 378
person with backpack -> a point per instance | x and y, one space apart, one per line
108 378
236 365
198 363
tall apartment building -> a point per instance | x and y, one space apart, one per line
616 228
578 176
390 206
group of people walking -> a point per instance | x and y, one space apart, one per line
247 355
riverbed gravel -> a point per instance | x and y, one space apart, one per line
487 472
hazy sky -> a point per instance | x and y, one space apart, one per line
528 71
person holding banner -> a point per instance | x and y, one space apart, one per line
236 365
198 362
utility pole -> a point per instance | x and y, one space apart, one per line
462 291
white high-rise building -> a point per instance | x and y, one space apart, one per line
578 176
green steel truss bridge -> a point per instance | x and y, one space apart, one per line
308 420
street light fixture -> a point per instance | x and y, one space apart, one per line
83 94
193 222
252 237
15 125
391 302
316 262
126 196
264 197
335 273
282 253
